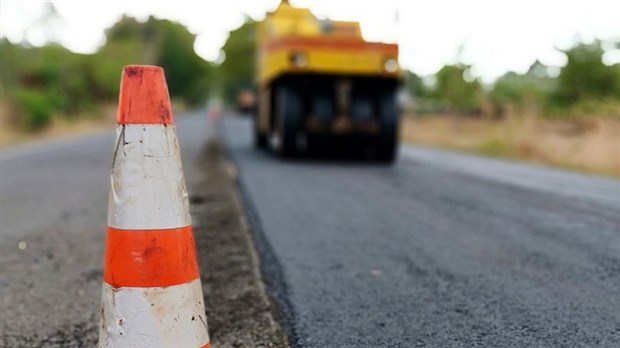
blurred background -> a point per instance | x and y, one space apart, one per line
522 80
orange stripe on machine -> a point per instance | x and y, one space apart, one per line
150 258
331 44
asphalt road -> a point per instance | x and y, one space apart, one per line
53 204
439 250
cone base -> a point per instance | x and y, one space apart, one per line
153 317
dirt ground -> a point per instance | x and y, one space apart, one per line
589 145
239 311
59 128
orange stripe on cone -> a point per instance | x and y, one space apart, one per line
144 96
150 258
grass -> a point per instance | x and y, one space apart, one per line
493 147
589 145
60 127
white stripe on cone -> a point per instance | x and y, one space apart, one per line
153 317
147 186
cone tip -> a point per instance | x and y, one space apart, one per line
144 96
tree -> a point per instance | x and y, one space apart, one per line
524 92
157 42
237 70
415 85
455 92
586 77
187 74
41 83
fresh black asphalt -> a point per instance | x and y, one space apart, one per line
439 250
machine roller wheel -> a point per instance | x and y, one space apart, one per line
288 112
388 139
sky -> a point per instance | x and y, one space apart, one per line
493 36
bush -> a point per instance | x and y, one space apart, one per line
585 76
526 94
41 81
35 108
455 92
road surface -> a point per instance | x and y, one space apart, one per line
53 204
439 250
53 200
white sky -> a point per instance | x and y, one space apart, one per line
494 35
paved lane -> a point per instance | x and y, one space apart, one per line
440 250
53 199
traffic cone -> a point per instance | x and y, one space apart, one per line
152 296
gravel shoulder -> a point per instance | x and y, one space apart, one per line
239 311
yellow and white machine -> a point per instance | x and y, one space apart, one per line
320 84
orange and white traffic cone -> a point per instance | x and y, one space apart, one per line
152 296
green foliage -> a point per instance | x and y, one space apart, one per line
125 44
41 82
455 92
586 77
526 93
155 42
585 108
127 29
493 147
37 108
585 87
187 74
237 70
415 85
